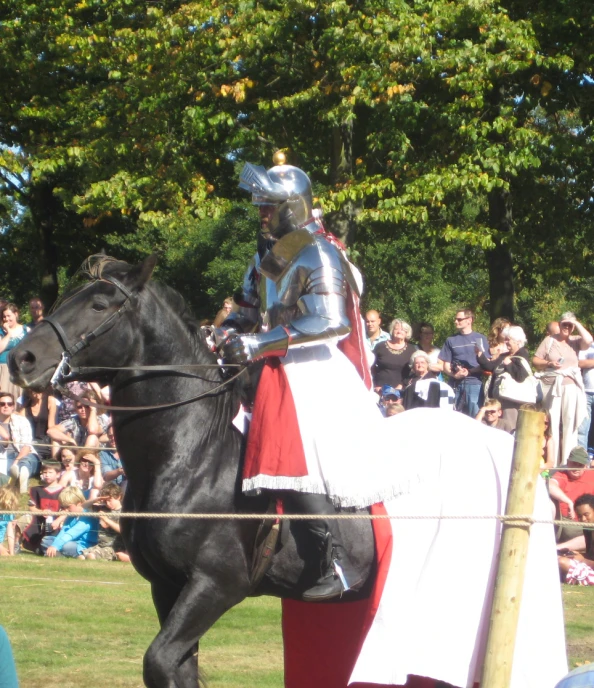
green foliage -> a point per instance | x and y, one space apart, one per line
123 123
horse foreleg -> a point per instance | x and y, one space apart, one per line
171 660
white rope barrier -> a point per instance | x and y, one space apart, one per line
521 518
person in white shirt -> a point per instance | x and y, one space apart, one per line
586 363
16 435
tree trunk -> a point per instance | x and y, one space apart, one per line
44 208
342 223
499 259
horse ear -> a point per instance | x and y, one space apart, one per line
141 273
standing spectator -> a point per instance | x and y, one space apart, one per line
43 497
373 329
460 363
9 501
515 361
426 334
491 415
586 363
553 328
496 338
37 311
78 533
563 389
566 486
17 437
222 315
392 357
14 332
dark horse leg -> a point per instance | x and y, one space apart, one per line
185 615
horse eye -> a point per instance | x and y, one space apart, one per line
98 307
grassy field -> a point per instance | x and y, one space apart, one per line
75 624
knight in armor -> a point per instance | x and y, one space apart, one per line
299 310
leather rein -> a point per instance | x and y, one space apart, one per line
65 371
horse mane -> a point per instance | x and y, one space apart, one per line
96 265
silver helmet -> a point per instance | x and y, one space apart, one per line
287 188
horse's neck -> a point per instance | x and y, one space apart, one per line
189 438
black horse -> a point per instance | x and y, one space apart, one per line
181 459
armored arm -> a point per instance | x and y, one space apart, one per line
245 315
322 317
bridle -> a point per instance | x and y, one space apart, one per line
65 371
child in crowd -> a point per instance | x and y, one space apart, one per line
110 546
88 473
9 501
68 475
78 532
43 497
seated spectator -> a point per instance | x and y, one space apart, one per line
9 501
110 546
17 437
491 415
423 389
392 357
514 361
43 497
578 568
389 397
566 486
39 408
78 533
83 428
68 474
111 465
88 474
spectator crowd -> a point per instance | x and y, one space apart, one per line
70 446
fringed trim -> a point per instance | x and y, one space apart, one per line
339 496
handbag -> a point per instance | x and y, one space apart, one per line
526 392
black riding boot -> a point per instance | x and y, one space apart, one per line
338 574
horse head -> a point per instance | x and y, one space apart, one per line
81 320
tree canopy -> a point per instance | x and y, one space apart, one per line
449 143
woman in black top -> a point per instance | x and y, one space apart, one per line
39 408
392 357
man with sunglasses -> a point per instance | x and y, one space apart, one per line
461 363
16 435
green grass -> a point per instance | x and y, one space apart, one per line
77 624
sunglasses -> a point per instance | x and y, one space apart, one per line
6 403
461 319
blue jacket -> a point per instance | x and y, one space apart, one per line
81 529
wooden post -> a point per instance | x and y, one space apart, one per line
515 536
